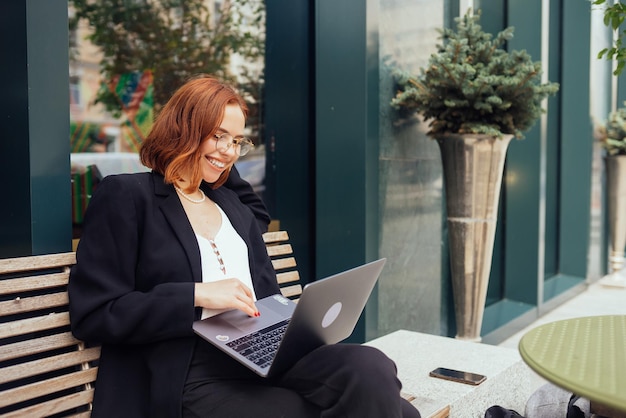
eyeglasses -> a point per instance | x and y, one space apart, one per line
224 141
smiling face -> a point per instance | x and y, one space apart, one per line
214 162
181 144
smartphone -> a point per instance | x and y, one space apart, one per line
458 376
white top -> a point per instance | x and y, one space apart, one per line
234 254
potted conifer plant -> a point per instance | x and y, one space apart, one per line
477 97
612 136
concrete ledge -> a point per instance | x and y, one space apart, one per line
508 381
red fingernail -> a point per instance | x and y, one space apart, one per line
257 313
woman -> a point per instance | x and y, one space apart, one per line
162 249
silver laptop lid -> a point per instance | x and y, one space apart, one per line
327 312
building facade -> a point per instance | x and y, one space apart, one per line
345 175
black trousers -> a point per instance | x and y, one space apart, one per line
341 380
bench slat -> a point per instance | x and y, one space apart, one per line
277 236
48 364
55 406
35 303
288 277
280 249
25 326
290 291
37 262
37 345
46 387
45 281
284 263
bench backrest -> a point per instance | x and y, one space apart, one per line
44 370
284 263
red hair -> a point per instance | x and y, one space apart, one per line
191 116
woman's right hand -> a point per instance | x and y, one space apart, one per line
225 294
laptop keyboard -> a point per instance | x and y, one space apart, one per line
260 346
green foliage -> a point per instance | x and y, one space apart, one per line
176 39
84 135
613 17
472 85
613 134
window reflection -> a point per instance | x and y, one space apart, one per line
126 59
410 177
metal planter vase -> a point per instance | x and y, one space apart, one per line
472 169
616 191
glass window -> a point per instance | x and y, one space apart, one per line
126 59
410 177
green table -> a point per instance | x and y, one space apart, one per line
586 356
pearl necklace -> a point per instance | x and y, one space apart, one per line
191 199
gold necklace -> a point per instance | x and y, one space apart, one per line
191 199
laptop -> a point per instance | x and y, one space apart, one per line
326 313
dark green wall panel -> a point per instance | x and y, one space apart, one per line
346 137
34 139
576 149
553 146
341 133
49 131
522 176
15 228
289 129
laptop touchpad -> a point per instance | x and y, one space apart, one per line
247 324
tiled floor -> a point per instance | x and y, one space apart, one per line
598 299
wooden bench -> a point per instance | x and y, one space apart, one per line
281 254
44 370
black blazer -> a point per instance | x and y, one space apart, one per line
248 196
132 290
